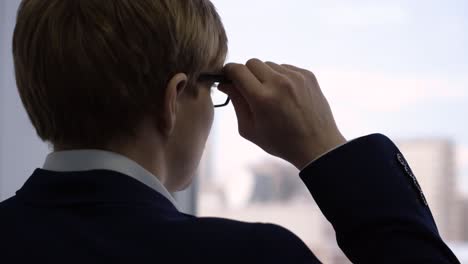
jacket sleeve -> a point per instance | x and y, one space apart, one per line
368 192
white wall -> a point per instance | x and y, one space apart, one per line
21 151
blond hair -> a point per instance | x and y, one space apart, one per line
90 70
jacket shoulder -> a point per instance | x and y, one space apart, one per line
263 242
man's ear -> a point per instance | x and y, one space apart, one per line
174 89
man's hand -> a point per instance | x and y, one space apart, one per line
281 109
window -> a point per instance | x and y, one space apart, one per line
393 67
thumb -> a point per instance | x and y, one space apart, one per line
241 107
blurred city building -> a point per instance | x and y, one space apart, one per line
433 163
462 208
274 194
271 191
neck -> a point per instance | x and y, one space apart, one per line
146 154
145 150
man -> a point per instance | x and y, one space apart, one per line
116 88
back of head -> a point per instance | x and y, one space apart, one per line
89 71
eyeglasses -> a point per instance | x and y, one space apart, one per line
219 98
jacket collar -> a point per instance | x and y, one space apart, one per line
52 188
94 159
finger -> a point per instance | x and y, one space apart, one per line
277 68
244 81
241 107
288 72
262 71
305 73
294 68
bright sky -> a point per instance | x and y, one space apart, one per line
395 67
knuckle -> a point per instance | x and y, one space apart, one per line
290 67
310 74
231 67
230 64
305 72
298 76
282 81
252 62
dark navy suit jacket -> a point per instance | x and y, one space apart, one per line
364 188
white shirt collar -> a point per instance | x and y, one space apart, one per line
93 159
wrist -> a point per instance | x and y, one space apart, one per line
316 149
